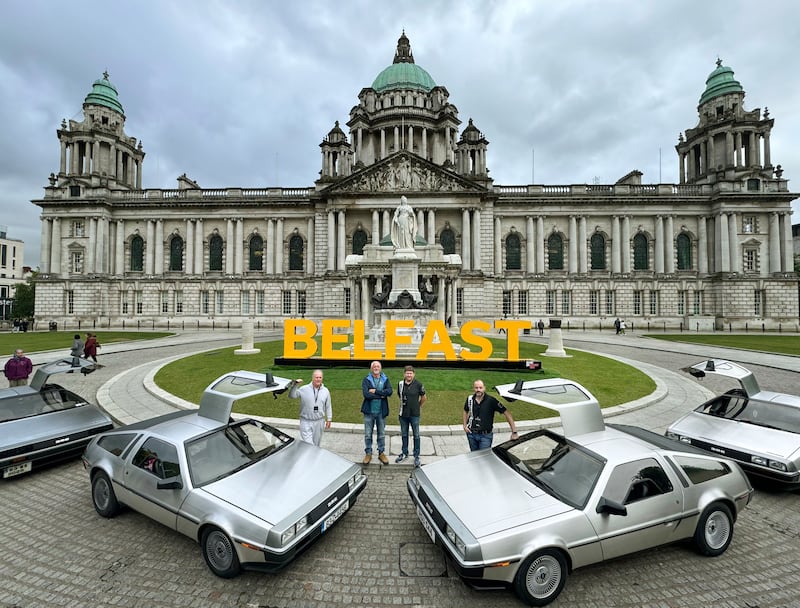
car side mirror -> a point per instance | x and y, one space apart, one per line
611 507
174 483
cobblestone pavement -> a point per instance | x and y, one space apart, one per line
58 552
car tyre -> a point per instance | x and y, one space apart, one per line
714 531
541 577
103 497
219 553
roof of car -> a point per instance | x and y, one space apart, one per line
177 426
623 443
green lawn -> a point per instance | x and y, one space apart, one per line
612 382
770 343
35 341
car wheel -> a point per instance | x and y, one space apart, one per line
541 577
714 530
219 553
103 497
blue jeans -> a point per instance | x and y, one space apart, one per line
479 441
414 422
378 421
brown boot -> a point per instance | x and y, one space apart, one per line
367 459
382 458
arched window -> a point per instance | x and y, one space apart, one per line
215 253
359 240
447 239
640 259
137 254
684 246
513 252
555 252
296 252
176 253
256 249
597 245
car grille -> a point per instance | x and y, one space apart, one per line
327 504
427 505
54 442
728 452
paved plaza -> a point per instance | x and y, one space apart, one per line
58 552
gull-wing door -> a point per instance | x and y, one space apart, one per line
67 364
579 410
727 369
218 399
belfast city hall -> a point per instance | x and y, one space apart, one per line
712 251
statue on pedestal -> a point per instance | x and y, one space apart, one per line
404 225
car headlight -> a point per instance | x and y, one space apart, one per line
415 481
351 483
456 540
760 460
288 535
293 530
778 466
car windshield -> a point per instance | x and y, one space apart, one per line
49 399
558 467
229 449
768 414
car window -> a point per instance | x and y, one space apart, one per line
116 443
699 470
768 414
561 468
158 457
637 480
50 399
228 449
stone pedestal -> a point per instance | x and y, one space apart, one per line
555 347
247 340
405 275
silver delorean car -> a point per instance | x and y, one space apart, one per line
43 422
251 495
757 428
527 512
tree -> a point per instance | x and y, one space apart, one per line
24 297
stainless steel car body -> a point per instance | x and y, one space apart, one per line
591 494
269 506
759 429
43 422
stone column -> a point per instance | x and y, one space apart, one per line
711 158
55 248
91 249
247 340
540 244
387 223
441 303
659 245
573 245
238 264
702 245
616 245
431 238
188 261
476 240
102 244
62 166
159 263
722 244
767 160
149 249
340 241
376 227
199 258
786 242
425 143
774 243
138 175
119 264
420 224
45 246
311 240
498 245
669 246
466 258
230 254
279 246
454 304
625 246
733 242
269 248
332 240
365 300
383 143
530 254
582 254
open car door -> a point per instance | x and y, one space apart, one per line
219 397
728 369
67 364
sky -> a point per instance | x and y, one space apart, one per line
241 93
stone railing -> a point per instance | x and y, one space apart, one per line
606 190
212 193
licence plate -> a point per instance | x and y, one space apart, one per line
17 469
331 519
426 524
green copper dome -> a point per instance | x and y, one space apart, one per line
403 73
104 93
720 82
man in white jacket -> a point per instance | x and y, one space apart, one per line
316 411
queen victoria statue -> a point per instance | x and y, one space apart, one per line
404 225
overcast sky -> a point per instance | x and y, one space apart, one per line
241 93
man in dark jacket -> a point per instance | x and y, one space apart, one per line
376 389
18 368
412 397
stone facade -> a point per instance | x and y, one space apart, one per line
714 250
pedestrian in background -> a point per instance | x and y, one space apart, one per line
376 389
412 398
18 368
479 410
91 346
316 412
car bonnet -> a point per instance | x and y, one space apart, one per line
61 423
296 477
487 496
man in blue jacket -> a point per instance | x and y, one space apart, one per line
376 389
